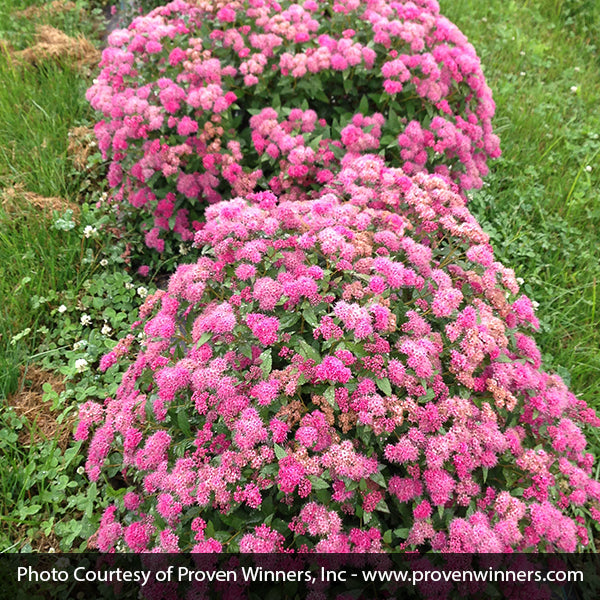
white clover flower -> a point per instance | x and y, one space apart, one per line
535 304
183 249
89 231
576 69
62 308
86 319
129 285
103 262
522 73
142 291
588 168
574 88
520 280
81 365
79 345
522 53
106 329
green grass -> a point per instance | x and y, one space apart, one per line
36 261
37 108
541 201
38 105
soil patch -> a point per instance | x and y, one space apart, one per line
40 542
27 402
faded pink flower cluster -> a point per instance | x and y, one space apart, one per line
182 90
354 372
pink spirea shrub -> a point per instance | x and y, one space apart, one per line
354 373
182 97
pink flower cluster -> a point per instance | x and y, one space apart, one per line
357 369
183 120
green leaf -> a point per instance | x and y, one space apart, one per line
323 496
388 141
266 362
383 507
387 537
184 424
205 337
307 351
310 317
29 510
503 358
280 453
485 473
363 107
347 82
318 483
148 408
329 394
393 119
320 95
402 533
210 530
287 321
379 479
385 386
246 350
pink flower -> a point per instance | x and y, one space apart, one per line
226 14
439 485
137 536
267 292
333 369
263 327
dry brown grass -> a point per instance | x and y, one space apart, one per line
17 202
51 43
81 145
27 402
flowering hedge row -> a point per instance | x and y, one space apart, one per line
182 95
352 372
